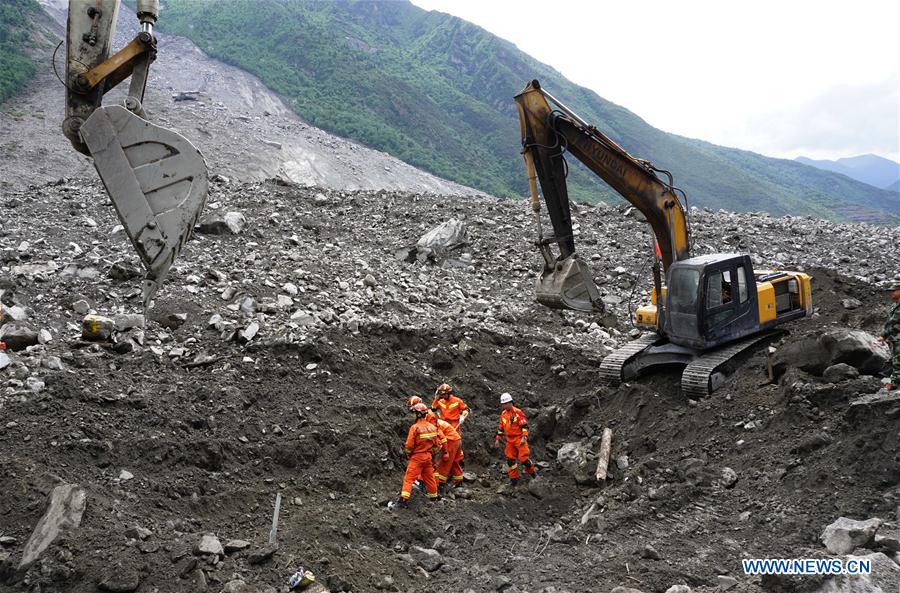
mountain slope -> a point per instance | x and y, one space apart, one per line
868 168
243 129
436 91
16 66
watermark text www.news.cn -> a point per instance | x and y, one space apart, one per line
807 566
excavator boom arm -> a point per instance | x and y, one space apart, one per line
156 179
547 133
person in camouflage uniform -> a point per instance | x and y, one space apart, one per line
891 334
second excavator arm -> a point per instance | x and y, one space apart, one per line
156 179
547 133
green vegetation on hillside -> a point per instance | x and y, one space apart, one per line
16 66
436 92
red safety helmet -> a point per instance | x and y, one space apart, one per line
443 389
414 400
420 408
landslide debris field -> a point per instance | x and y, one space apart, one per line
277 360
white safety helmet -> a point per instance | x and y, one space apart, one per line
505 398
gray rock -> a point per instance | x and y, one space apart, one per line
856 348
370 280
883 578
650 553
173 320
236 545
726 479
54 363
209 545
845 535
840 372
625 590
18 335
813 442
263 554
538 489
229 223
4 361
14 313
138 532
500 582
678 589
81 307
64 512
576 458
427 558
124 322
851 304
886 541
445 237
248 333
238 586
34 384
120 580
726 582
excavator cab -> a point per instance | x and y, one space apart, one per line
711 300
157 180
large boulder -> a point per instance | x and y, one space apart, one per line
883 577
815 354
845 535
18 335
444 238
228 223
579 459
64 512
857 348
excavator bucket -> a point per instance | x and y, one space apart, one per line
569 285
157 181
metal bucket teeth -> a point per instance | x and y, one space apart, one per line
157 181
569 285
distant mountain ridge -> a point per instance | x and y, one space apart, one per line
436 91
868 168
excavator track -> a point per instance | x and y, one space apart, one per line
700 377
611 366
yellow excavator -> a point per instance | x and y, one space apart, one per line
157 180
705 310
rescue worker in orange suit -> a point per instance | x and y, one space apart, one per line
422 444
448 466
513 426
452 409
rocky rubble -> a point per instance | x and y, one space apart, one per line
277 359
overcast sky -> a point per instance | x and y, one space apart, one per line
783 78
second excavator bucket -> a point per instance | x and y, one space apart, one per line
157 181
569 285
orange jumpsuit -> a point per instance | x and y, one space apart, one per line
514 426
422 442
449 465
452 409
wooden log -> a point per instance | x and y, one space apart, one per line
605 450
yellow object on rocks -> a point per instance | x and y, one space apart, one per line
97 328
